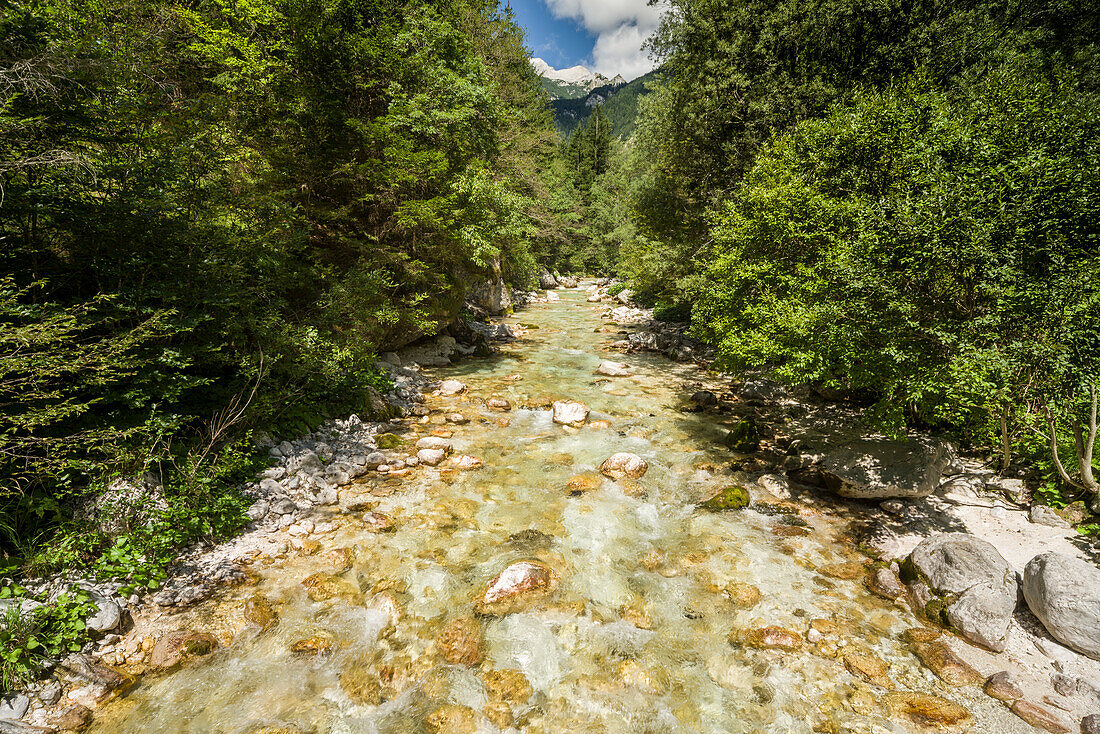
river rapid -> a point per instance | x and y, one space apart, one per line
663 616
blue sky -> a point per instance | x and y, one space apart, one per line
604 35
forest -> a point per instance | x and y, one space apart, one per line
214 216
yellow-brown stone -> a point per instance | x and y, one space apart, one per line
507 685
928 711
869 668
460 641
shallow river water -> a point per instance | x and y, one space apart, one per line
636 635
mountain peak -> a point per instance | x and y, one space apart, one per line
574 82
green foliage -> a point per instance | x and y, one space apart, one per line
28 639
214 216
936 255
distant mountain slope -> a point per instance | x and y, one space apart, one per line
620 104
572 83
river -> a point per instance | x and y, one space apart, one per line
636 635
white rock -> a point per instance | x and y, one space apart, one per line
613 369
107 614
431 457
14 705
451 387
569 412
434 442
1064 593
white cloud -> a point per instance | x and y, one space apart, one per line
620 26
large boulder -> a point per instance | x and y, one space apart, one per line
1064 593
963 581
430 352
876 468
493 295
547 280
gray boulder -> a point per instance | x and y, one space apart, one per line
107 614
547 280
1064 593
965 582
875 468
1043 515
14 705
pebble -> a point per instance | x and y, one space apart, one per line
1003 687
1039 717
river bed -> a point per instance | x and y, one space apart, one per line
636 634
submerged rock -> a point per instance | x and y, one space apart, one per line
452 718
584 483
324 586
498 404
927 710
517 587
744 596
624 465
314 645
949 667
258 611
507 685
869 668
175 648
614 369
360 684
882 581
569 412
467 463
460 642
768 638
1064 593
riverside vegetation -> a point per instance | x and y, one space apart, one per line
214 217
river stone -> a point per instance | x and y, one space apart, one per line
613 369
882 581
451 387
1064 593
704 399
452 718
460 642
1043 515
360 684
258 611
624 465
516 587
569 412
768 638
435 442
324 586
869 668
872 468
929 711
1003 687
507 685
71 718
949 667
728 498
313 645
742 595
14 705
498 404
431 457
378 522
50 693
175 648
584 483
1090 724
467 463
975 586
107 614
1039 717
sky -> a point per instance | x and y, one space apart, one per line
604 35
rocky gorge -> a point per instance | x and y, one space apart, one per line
548 539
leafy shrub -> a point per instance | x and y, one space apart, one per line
616 289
